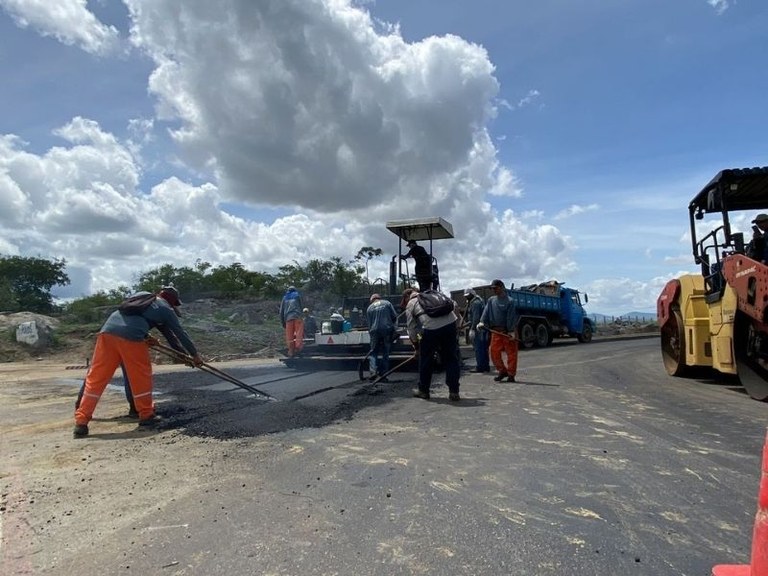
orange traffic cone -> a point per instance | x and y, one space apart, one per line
759 562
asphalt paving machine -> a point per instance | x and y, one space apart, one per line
719 318
345 345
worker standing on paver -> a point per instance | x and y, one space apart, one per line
500 316
310 324
123 339
292 320
423 264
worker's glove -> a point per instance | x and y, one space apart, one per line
471 335
197 360
152 341
480 326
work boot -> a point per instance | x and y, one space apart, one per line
133 414
454 397
500 376
511 378
150 422
421 394
80 431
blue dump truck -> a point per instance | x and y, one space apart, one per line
546 311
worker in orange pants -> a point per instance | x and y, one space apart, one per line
503 343
500 314
110 351
123 340
292 320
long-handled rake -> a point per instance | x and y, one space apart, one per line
187 359
388 372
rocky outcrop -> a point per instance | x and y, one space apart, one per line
35 331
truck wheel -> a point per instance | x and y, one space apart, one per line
542 336
673 345
586 333
527 336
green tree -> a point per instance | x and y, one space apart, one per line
368 253
94 308
346 278
292 275
8 302
188 281
233 279
319 274
31 279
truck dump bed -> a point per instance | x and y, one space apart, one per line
533 302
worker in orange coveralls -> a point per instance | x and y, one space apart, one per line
292 320
500 315
123 339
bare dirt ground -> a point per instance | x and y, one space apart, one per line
57 495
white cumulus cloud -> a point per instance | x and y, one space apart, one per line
69 21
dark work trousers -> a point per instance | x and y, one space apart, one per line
481 343
425 280
381 346
128 393
443 340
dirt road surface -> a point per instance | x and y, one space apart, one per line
595 462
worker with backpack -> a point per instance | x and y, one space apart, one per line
431 323
123 340
133 305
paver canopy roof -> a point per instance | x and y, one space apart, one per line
421 229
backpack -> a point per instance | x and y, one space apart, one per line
435 304
136 304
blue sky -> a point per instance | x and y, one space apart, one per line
562 140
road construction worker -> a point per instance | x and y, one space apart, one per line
382 318
124 339
167 293
479 338
310 323
292 321
756 247
500 316
428 334
423 264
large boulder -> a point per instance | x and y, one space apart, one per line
30 329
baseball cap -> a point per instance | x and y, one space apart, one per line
170 295
760 218
498 283
306 311
375 297
469 292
